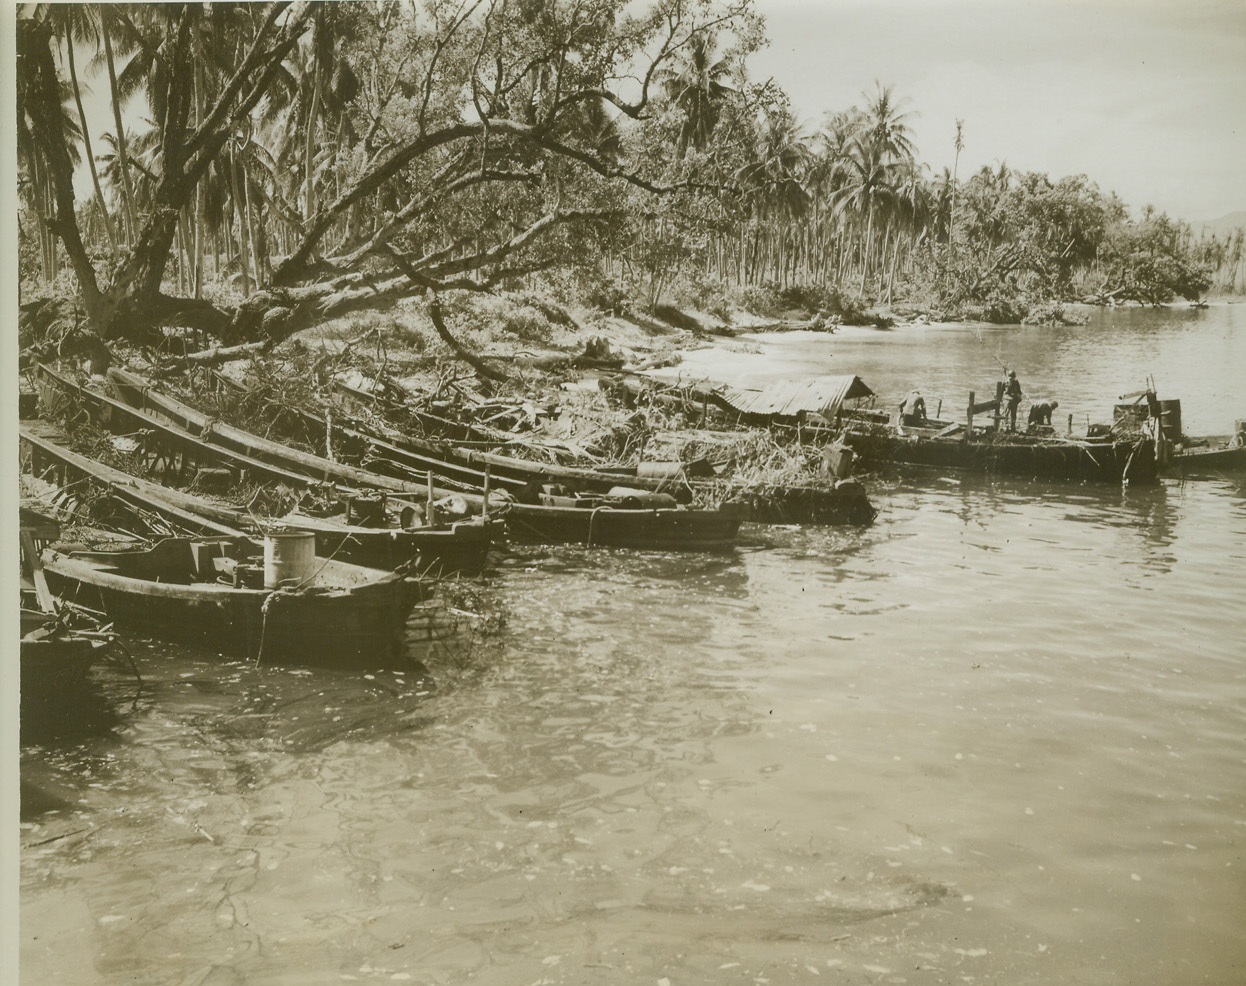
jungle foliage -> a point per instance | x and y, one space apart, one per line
272 164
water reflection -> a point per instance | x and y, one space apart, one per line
994 737
1085 368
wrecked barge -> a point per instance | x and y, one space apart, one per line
816 412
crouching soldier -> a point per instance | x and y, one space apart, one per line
1040 415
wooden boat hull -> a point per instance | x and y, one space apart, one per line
844 504
461 547
55 669
1196 463
1107 462
407 458
659 529
361 624
139 394
664 530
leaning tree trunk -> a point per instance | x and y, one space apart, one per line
244 246
127 190
434 312
90 155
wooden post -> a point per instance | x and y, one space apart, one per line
939 409
47 601
484 506
1070 431
969 417
429 509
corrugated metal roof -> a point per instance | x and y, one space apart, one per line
788 399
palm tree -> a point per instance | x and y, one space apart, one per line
80 24
888 130
698 87
47 147
114 20
951 223
311 99
773 182
913 207
870 180
960 146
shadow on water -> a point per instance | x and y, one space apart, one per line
199 718
71 717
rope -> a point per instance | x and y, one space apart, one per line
264 625
116 642
592 518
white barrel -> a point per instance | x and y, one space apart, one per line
289 558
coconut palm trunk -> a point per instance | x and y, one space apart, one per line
244 246
105 217
123 160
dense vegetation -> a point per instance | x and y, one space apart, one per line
271 164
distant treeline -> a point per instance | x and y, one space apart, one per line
268 164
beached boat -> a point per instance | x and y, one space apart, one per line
407 457
166 448
142 395
667 526
243 598
457 547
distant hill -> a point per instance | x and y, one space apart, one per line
1220 227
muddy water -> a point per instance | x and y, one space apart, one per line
996 738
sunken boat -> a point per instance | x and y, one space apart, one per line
1186 457
59 644
1209 458
624 518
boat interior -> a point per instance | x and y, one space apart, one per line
181 561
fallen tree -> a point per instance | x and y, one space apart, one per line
463 199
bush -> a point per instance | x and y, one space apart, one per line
526 324
756 299
607 295
1004 308
1053 313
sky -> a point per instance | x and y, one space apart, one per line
1145 97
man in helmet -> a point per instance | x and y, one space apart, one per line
1012 399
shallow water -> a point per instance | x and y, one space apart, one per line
996 737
